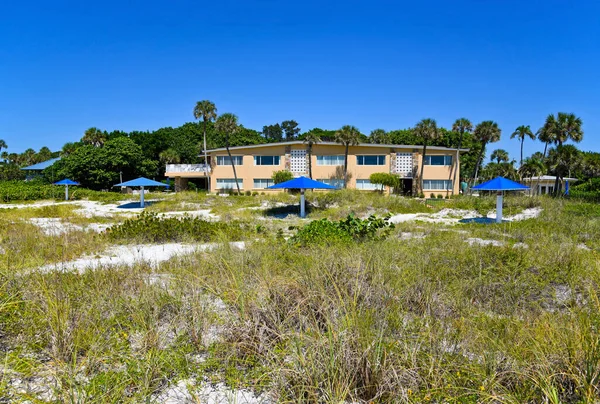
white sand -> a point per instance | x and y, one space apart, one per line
454 216
482 242
186 392
57 227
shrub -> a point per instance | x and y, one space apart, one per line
386 179
248 193
282 176
440 196
254 193
432 195
351 228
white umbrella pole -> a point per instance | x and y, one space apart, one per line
499 207
66 192
302 201
141 197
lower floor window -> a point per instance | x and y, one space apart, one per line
437 185
229 183
262 183
333 182
367 185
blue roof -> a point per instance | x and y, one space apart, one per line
500 184
301 183
41 166
141 182
66 181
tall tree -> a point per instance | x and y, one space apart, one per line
562 160
379 136
44 154
521 133
500 155
291 129
348 136
3 144
460 126
208 112
532 167
311 138
428 131
169 156
94 137
227 125
485 132
273 133
68 148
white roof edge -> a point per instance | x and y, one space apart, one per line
548 177
296 142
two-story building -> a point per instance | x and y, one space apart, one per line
256 164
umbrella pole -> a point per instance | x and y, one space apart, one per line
499 207
141 197
66 192
302 207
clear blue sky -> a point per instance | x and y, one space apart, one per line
138 65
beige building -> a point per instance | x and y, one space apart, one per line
256 164
544 184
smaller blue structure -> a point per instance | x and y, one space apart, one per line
302 183
500 184
66 182
141 182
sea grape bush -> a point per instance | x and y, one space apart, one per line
349 229
149 227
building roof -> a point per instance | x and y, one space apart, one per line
299 142
548 178
41 166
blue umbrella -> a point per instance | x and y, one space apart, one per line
141 182
500 184
302 183
66 182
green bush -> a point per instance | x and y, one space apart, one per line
248 193
432 195
386 179
440 196
351 228
28 191
282 176
149 227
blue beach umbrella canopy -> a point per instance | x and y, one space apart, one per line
500 184
141 182
302 183
66 182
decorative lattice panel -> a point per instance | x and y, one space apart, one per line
404 164
298 161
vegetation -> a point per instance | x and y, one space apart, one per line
427 129
485 132
326 232
385 179
348 136
311 138
227 124
282 176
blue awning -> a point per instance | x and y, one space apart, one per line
141 182
41 166
301 183
66 181
500 184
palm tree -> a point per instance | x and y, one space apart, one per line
348 136
94 137
311 138
169 156
44 154
3 144
207 111
28 156
532 167
562 160
461 126
4 155
521 133
68 148
485 132
227 125
500 155
427 130
379 136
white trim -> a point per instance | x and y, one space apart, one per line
385 146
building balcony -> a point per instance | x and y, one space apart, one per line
187 170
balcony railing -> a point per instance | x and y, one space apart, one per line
187 168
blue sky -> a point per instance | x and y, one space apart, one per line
138 65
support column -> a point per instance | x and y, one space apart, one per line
302 206
141 197
499 207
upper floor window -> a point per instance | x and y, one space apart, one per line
266 160
370 160
438 160
225 161
336 160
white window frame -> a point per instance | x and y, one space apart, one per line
338 183
258 162
221 159
371 186
232 180
358 157
338 157
269 182
447 160
428 183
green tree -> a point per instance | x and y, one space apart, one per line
348 136
3 144
68 148
500 155
169 156
28 157
428 131
282 176
208 112
562 160
227 124
521 133
94 137
532 167
273 133
461 126
379 136
311 138
44 154
291 129
485 132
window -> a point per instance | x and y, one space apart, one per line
366 185
330 160
438 160
333 182
229 183
224 160
445 185
370 160
266 160
262 183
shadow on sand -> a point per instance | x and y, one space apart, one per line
281 212
134 205
480 220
